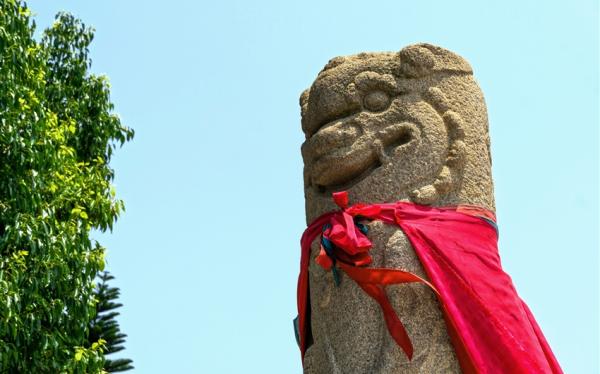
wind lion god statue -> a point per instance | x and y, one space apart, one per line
400 271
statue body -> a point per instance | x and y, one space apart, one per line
388 127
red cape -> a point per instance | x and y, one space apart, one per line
491 328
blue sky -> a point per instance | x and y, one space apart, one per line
207 252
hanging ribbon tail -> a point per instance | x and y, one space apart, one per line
372 280
323 259
394 325
383 276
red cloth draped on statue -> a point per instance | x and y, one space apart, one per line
491 328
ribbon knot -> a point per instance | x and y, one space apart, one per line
344 238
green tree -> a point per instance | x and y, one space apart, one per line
105 326
57 135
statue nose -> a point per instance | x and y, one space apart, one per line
332 136
325 107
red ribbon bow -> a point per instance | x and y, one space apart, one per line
350 244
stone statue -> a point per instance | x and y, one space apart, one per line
388 127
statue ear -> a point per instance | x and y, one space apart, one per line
303 102
419 60
416 61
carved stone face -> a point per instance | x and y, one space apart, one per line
360 118
378 125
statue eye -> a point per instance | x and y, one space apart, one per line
376 101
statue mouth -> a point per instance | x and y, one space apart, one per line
354 156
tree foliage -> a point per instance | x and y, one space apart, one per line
57 136
105 326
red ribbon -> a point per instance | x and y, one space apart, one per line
490 327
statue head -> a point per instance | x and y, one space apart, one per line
390 126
